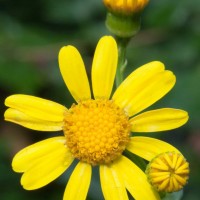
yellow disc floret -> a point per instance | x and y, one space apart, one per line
96 131
168 172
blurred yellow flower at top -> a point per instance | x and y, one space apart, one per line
126 7
96 130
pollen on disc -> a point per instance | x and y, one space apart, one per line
96 131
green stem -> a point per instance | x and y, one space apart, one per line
122 44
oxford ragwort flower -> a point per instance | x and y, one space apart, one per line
96 130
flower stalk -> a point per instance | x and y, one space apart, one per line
122 62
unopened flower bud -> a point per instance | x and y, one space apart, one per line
123 18
168 172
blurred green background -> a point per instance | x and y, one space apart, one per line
31 34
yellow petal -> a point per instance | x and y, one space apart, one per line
73 72
104 67
36 107
135 180
42 162
148 148
79 182
24 159
112 184
143 87
22 119
159 120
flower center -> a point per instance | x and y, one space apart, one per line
168 172
96 131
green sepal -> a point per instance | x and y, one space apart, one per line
173 196
122 25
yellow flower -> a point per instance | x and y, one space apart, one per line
96 130
126 7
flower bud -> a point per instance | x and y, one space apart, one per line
123 18
168 172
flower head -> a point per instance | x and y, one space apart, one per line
96 131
